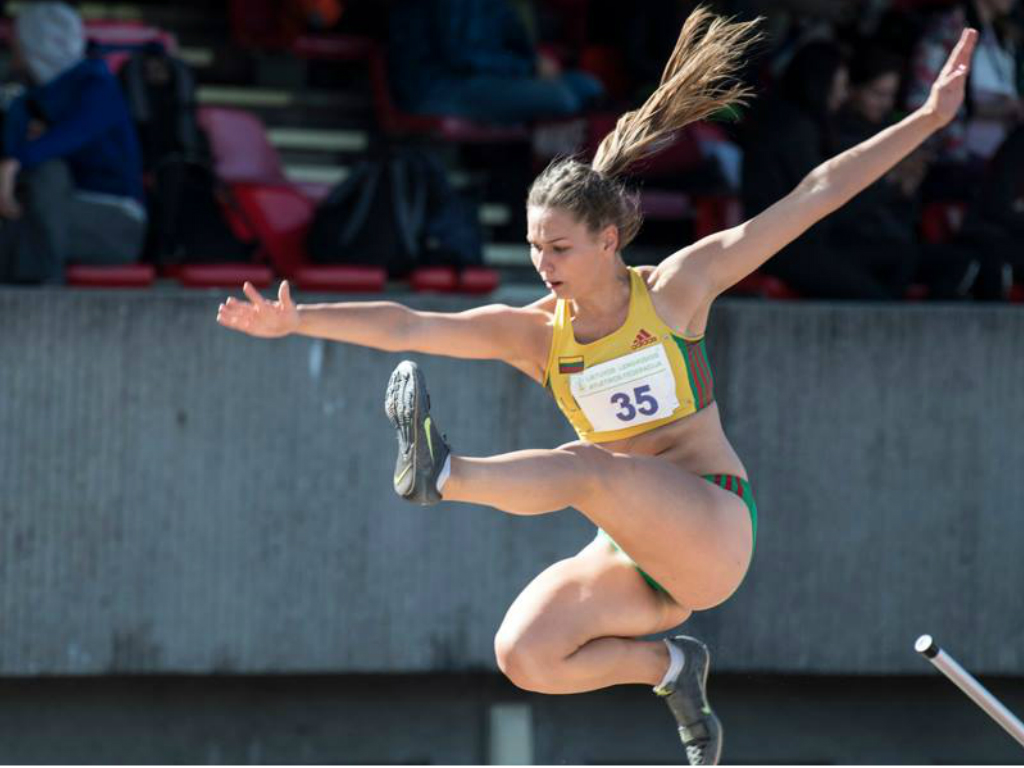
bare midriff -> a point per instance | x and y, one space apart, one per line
696 443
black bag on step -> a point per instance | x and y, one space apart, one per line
186 217
396 210
160 92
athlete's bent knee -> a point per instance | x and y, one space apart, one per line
523 662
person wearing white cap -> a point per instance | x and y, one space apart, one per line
71 170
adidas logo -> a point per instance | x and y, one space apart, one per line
643 339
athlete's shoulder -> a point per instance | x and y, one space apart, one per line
646 272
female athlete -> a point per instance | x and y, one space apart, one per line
622 352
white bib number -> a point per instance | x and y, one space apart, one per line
630 390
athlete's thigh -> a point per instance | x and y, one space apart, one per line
690 535
596 593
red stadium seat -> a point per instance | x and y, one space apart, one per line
713 213
333 47
916 292
478 280
340 278
474 280
940 221
434 279
765 286
222 275
110 276
280 216
241 151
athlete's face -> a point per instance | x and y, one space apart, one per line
568 256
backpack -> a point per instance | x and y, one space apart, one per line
160 91
186 217
396 210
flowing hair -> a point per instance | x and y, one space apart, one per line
698 81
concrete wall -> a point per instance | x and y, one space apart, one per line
446 719
178 498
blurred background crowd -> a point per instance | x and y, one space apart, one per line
136 150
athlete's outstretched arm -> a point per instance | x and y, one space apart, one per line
516 335
721 260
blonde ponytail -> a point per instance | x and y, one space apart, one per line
695 85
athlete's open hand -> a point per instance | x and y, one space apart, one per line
259 317
948 89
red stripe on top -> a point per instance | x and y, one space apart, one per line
706 373
692 363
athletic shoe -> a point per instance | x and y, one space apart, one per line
422 450
686 696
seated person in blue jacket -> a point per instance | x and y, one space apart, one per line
71 170
475 59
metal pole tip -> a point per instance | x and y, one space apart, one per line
926 646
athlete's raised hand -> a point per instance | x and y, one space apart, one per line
948 89
259 317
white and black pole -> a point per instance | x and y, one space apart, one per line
963 679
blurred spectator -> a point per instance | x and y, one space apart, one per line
994 224
883 219
647 34
789 25
993 105
475 59
71 175
791 133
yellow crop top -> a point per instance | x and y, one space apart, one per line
633 380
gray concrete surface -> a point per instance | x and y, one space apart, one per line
443 720
178 498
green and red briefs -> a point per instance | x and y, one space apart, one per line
737 485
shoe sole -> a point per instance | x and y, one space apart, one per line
403 419
407 404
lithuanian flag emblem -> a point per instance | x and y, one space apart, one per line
570 364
